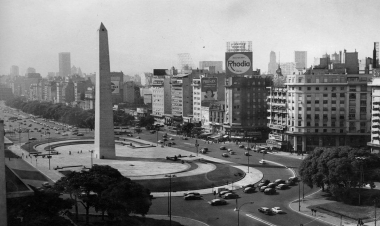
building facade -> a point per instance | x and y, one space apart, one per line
328 110
374 143
246 107
300 60
272 66
218 65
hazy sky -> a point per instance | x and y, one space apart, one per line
149 34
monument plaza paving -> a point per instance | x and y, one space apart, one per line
143 162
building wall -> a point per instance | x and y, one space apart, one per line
300 59
328 110
64 64
217 64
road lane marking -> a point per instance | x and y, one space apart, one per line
261 220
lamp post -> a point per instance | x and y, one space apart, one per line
91 151
238 210
196 146
170 197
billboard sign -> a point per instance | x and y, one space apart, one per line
240 46
209 90
159 82
239 63
115 87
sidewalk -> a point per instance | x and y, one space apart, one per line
315 199
182 220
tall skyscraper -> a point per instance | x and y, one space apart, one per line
30 70
64 64
14 70
272 66
300 58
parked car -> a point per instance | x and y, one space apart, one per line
249 190
277 210
295 179
217 202
223 148
225 155
223 192
269 191
230 196
290 182
232 152
80 134
249 186
265 210
262 188
282 186
279 181
271 185
264 182
32 138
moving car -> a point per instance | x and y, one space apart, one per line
265 210
264 182
290 182
217 202
192 193
225 155
295 179
160 141
171 138
192 197
138 138
282 186
241 146
80 134
171 143
153 131
32 138
184 138
223 192
223 148
262 161
277 210
230 196
129 135
247 153
65 134
249 186
271 185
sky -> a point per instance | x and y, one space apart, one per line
149 34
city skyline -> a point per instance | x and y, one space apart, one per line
144 38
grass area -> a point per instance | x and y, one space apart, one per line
217 177
337 209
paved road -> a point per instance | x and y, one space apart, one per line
223 215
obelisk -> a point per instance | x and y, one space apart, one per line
3 191
104 133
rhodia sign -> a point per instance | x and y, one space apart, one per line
239 63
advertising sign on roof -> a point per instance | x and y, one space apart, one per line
239 46
209 90
239 63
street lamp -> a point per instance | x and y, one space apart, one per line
238 210
170 197
196 146
91 151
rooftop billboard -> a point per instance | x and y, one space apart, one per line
238 63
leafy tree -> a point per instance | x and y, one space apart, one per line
42 208
340 168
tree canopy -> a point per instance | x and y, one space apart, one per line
106 190
340 169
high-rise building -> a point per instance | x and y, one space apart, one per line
30 70
288 68
218 65
137 79
14 70
64 64
328 109
246 107
300 58
272 66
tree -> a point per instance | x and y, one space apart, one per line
42 208
339 168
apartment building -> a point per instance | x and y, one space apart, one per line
328 109
374 143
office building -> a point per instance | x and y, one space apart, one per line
14 71
288 68
328 109
300 59
246 107
374 143
217 65
64 64
272 66
217 113
30 70
117 79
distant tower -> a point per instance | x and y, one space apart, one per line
185 61
14 70
64 64
104 134
300 58
272 63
